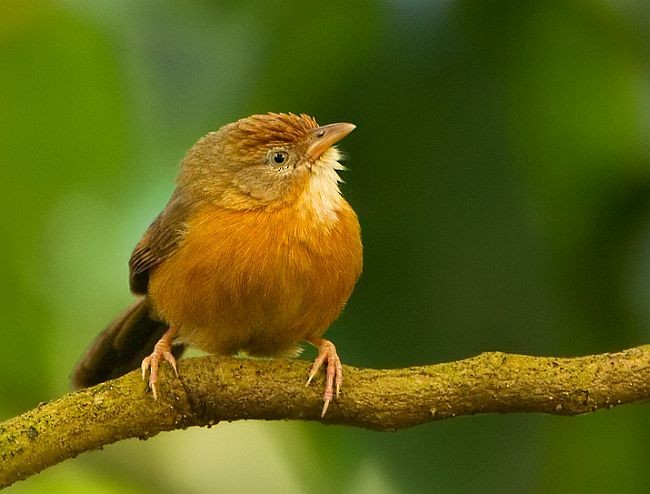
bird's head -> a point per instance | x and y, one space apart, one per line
272 160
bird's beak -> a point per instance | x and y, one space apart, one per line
325 136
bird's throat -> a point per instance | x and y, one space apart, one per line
322 198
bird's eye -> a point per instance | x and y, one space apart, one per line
279 157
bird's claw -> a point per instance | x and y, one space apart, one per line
162 351
334 371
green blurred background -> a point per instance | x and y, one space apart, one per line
500 169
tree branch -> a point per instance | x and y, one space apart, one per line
212 389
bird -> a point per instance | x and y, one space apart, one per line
256 252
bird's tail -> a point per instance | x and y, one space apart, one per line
121 347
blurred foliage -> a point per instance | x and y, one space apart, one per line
501 171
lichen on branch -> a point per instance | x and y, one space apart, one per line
211 389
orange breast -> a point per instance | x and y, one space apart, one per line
258 281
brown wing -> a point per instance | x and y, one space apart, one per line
160 241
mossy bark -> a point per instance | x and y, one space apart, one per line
211 389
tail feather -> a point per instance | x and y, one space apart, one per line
120 348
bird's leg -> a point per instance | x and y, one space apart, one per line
162 350
334 369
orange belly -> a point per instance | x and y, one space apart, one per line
258 282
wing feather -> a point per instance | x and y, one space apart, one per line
161 240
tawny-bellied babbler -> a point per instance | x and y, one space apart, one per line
256 251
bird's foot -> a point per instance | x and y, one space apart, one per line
161 351
334 369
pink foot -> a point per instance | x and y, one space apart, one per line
334 369
162 350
